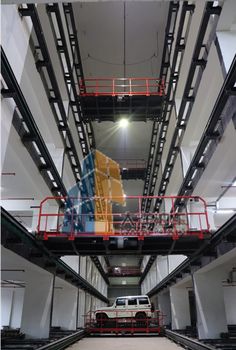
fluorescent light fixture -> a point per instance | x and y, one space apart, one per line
123 123
224 211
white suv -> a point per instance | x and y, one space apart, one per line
138 307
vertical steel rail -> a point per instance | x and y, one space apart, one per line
53 91
29 133
190 92
66 65
169 101
169 37
74 43
222 113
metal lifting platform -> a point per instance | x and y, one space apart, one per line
124 228
124 326
109 99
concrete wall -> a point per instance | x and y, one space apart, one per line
230 303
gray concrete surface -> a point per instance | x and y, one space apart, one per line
132 343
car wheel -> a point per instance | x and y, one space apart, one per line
101 319
140 318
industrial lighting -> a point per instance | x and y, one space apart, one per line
123 123
224 211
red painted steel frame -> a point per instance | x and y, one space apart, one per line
122 87
138 224
123 325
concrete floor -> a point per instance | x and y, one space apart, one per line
132 343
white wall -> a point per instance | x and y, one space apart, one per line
6 306
17 307
230 304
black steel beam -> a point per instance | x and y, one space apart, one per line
222 113
147 268
45 65
169 38
98 265
16 238
168 41
227 231
198 64
68 74
96 245
133 174
174 68
28 131
74 43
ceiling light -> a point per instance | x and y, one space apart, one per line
123 123
224 211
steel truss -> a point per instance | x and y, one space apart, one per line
199 61
16 238
158 141
222 113
45 69
28 131
69 75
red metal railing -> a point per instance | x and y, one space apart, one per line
128 220
119 324
122 87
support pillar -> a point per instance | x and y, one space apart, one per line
164 307
37 304
64 313
17 307
211 315
180 311
81 308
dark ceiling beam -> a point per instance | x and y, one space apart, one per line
198 64
227 233
16 238
147 268
28 131
52 89
174 67
222 113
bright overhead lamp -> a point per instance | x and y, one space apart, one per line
123 123
224 211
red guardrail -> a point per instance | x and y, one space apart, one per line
127 220
122 87
124 324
